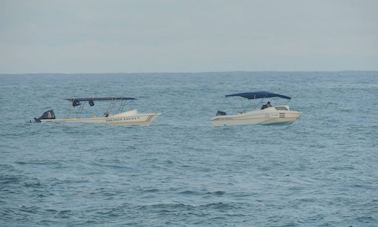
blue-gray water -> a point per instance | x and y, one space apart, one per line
320 171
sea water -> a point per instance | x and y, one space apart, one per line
180 171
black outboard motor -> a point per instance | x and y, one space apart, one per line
46 115
221 113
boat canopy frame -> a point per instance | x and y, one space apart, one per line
80 102
99 99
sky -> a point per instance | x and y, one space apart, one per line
115 36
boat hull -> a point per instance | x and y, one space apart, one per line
257 117
125 119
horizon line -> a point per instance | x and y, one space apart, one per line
185 72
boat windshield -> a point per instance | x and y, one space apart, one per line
281 108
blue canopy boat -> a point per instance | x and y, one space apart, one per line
268 114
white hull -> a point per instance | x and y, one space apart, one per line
126 118
264 117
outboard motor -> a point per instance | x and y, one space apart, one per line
46 115
221 113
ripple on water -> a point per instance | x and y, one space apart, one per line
180 171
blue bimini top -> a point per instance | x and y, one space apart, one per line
258 95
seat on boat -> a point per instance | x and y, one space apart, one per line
266 105
221 113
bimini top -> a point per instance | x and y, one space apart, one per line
100 99
76 101
258 95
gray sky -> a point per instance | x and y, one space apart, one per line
74 36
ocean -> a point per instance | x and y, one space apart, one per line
321 170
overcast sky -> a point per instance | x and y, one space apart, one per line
187 36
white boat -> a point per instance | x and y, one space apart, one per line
132 117
265 116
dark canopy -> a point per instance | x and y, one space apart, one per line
76 101
258 95
100 99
